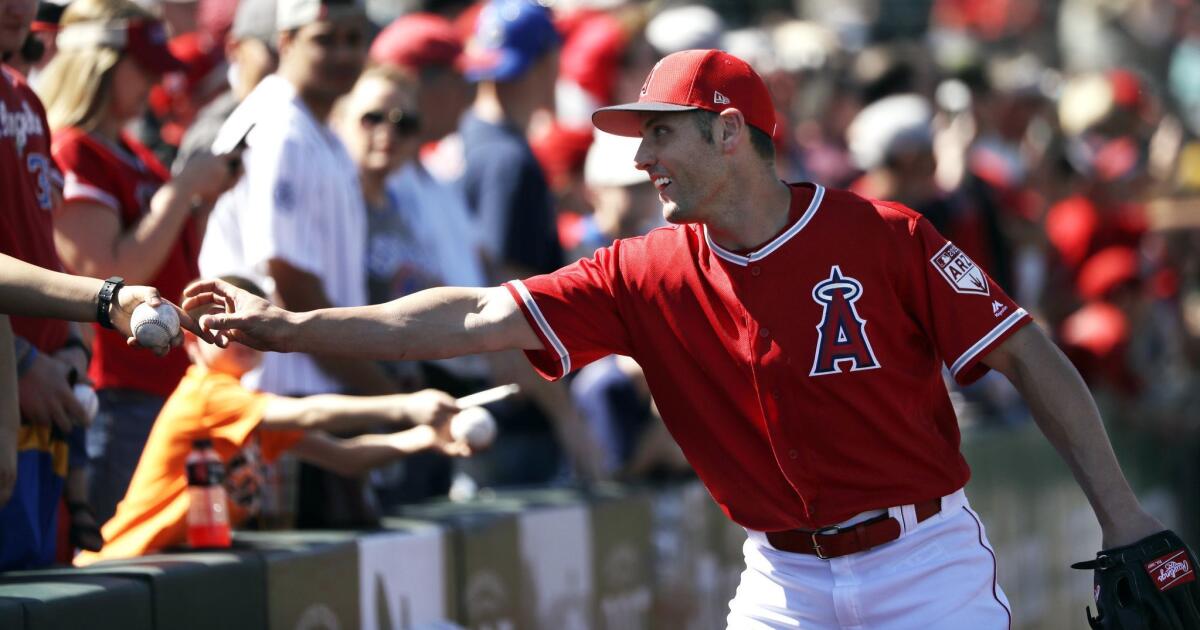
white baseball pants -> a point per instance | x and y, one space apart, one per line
939 575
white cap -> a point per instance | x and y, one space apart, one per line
610 162
891 124
292 14
692 27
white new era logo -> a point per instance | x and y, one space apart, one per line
720 98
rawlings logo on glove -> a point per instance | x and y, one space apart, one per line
1149 585
1171 570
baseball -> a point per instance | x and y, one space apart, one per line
87 399
154 327
475 426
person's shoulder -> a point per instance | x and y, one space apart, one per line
862 211
72 145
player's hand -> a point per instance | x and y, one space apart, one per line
129 298
232 314
428 406
45 396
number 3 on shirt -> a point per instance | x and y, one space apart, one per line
39 166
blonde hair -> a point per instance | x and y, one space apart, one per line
77 84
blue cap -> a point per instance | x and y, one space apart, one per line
509 37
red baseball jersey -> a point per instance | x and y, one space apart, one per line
802 380
125 179
28 183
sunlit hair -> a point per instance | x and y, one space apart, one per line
77 84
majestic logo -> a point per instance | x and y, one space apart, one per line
842 334
1171 570
998 308
960 271
720 98
19 125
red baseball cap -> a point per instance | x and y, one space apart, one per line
694 79
418 40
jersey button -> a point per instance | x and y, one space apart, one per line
756 271
792 454
775 394
764 332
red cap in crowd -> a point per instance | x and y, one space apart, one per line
1106 270
144 40
694 79
418 40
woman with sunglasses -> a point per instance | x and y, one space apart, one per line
120 215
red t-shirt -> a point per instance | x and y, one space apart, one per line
125 181
803 381
28 178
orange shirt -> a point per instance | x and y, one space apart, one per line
153 514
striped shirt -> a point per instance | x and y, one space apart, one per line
299 202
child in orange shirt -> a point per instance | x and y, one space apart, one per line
250 428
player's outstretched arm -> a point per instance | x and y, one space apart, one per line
1063 408
432 324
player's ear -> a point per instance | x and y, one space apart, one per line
730 129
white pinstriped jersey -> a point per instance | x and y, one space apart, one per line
300 202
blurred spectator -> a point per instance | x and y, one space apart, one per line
252 54
41 43
687 27
513 59
48 352
297 221
250 429
120 216
624 201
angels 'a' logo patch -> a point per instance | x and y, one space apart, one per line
1171 570
960 271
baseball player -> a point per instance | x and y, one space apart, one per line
793 337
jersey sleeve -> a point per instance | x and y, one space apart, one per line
575 313
280 204
966 313
86 174
232 413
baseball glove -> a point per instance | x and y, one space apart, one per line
1149 585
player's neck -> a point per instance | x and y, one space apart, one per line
752 214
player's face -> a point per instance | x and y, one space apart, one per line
683 166
15 18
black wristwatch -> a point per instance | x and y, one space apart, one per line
107 295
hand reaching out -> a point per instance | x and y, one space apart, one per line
233 314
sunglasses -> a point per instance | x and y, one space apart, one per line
405 123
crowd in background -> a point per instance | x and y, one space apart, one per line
327 153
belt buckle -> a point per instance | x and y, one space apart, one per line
824 531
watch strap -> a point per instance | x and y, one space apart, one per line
107 295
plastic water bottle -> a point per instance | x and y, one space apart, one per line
208 516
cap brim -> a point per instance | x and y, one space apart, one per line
501 64
626 120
